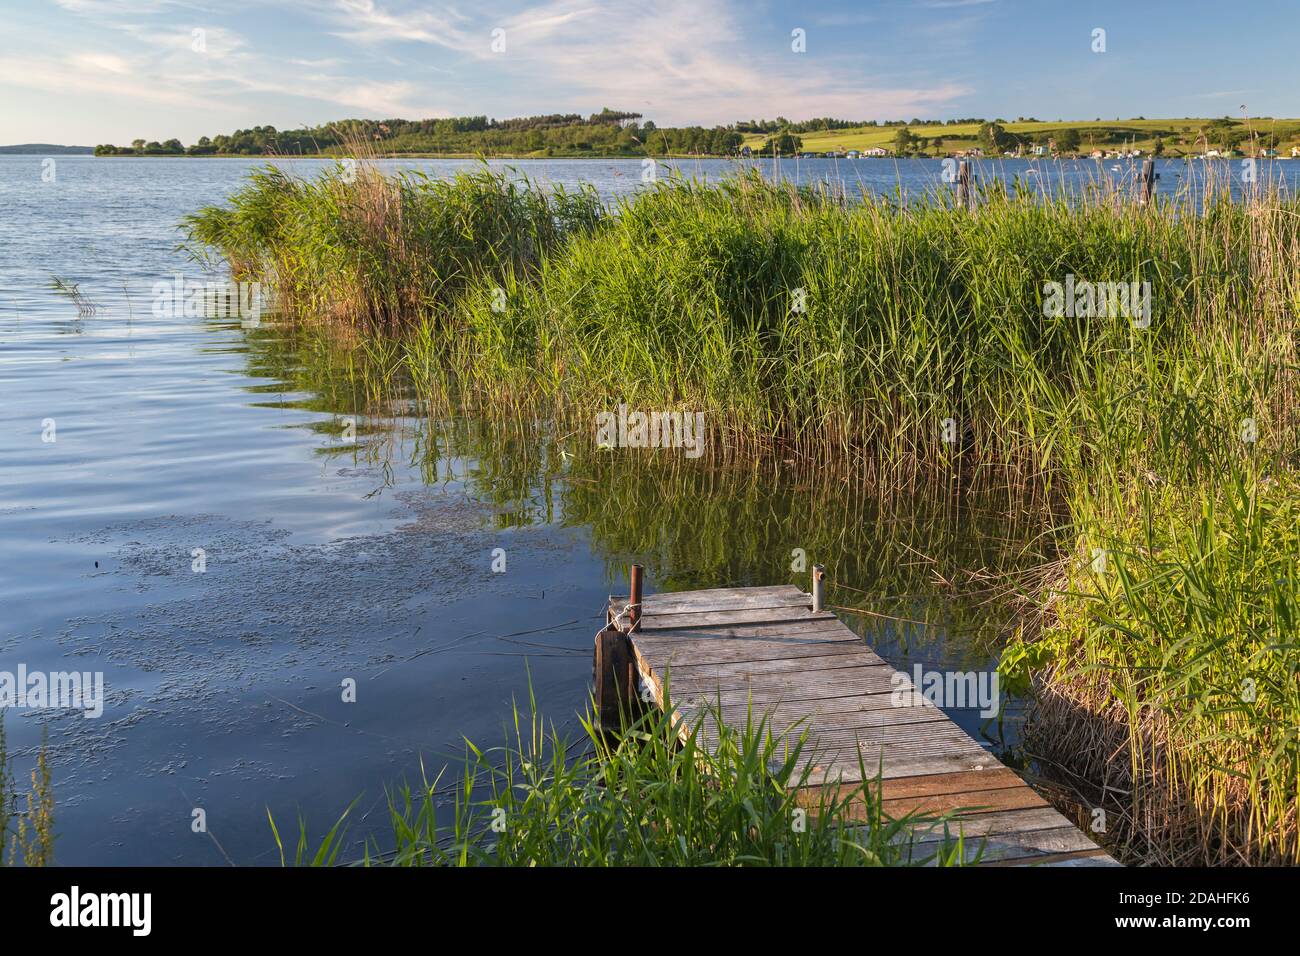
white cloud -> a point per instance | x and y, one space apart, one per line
676 61
73 75
217 42
105 62
685 60
364 21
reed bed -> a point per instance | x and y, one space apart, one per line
914 343
648 798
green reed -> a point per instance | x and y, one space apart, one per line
655 796
381 252
908 342
26 832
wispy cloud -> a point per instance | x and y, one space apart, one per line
677 61
688 60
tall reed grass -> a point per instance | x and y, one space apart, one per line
381 252
911 341
646 799
26 829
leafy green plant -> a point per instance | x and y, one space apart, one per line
655 796
26 834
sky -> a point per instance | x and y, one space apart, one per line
84 72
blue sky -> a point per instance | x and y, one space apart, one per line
92 71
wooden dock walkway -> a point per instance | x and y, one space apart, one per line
766 646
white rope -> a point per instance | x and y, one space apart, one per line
619 616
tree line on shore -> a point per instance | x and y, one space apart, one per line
607 133
621 133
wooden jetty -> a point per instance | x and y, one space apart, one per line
778 650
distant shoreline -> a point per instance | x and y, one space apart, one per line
631 156
46 149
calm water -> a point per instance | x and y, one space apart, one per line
329 558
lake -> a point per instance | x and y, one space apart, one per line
230 525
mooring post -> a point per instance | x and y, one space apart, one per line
1148 180
615 679
818 588
634 598
965 195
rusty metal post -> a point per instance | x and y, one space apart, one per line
634 598
818 588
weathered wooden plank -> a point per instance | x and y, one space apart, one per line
664 622
820 756
862 679
867 726
809 626
903 746
773 633
1017 820
1010 846
815 730
866 704
760 653
966 804
952 783
844 715
962 805
890 767
1094 857
738 673
762 699
718 599
678 654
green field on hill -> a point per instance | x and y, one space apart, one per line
621 133
1180 137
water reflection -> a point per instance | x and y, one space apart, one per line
925 574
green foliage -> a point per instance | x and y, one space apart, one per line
1189 634
1068 141
654 797
782 144
995 138
356 246
26 833
825 329
607 133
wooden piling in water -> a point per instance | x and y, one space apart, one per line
615 678
1148 181
613 668
965 184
